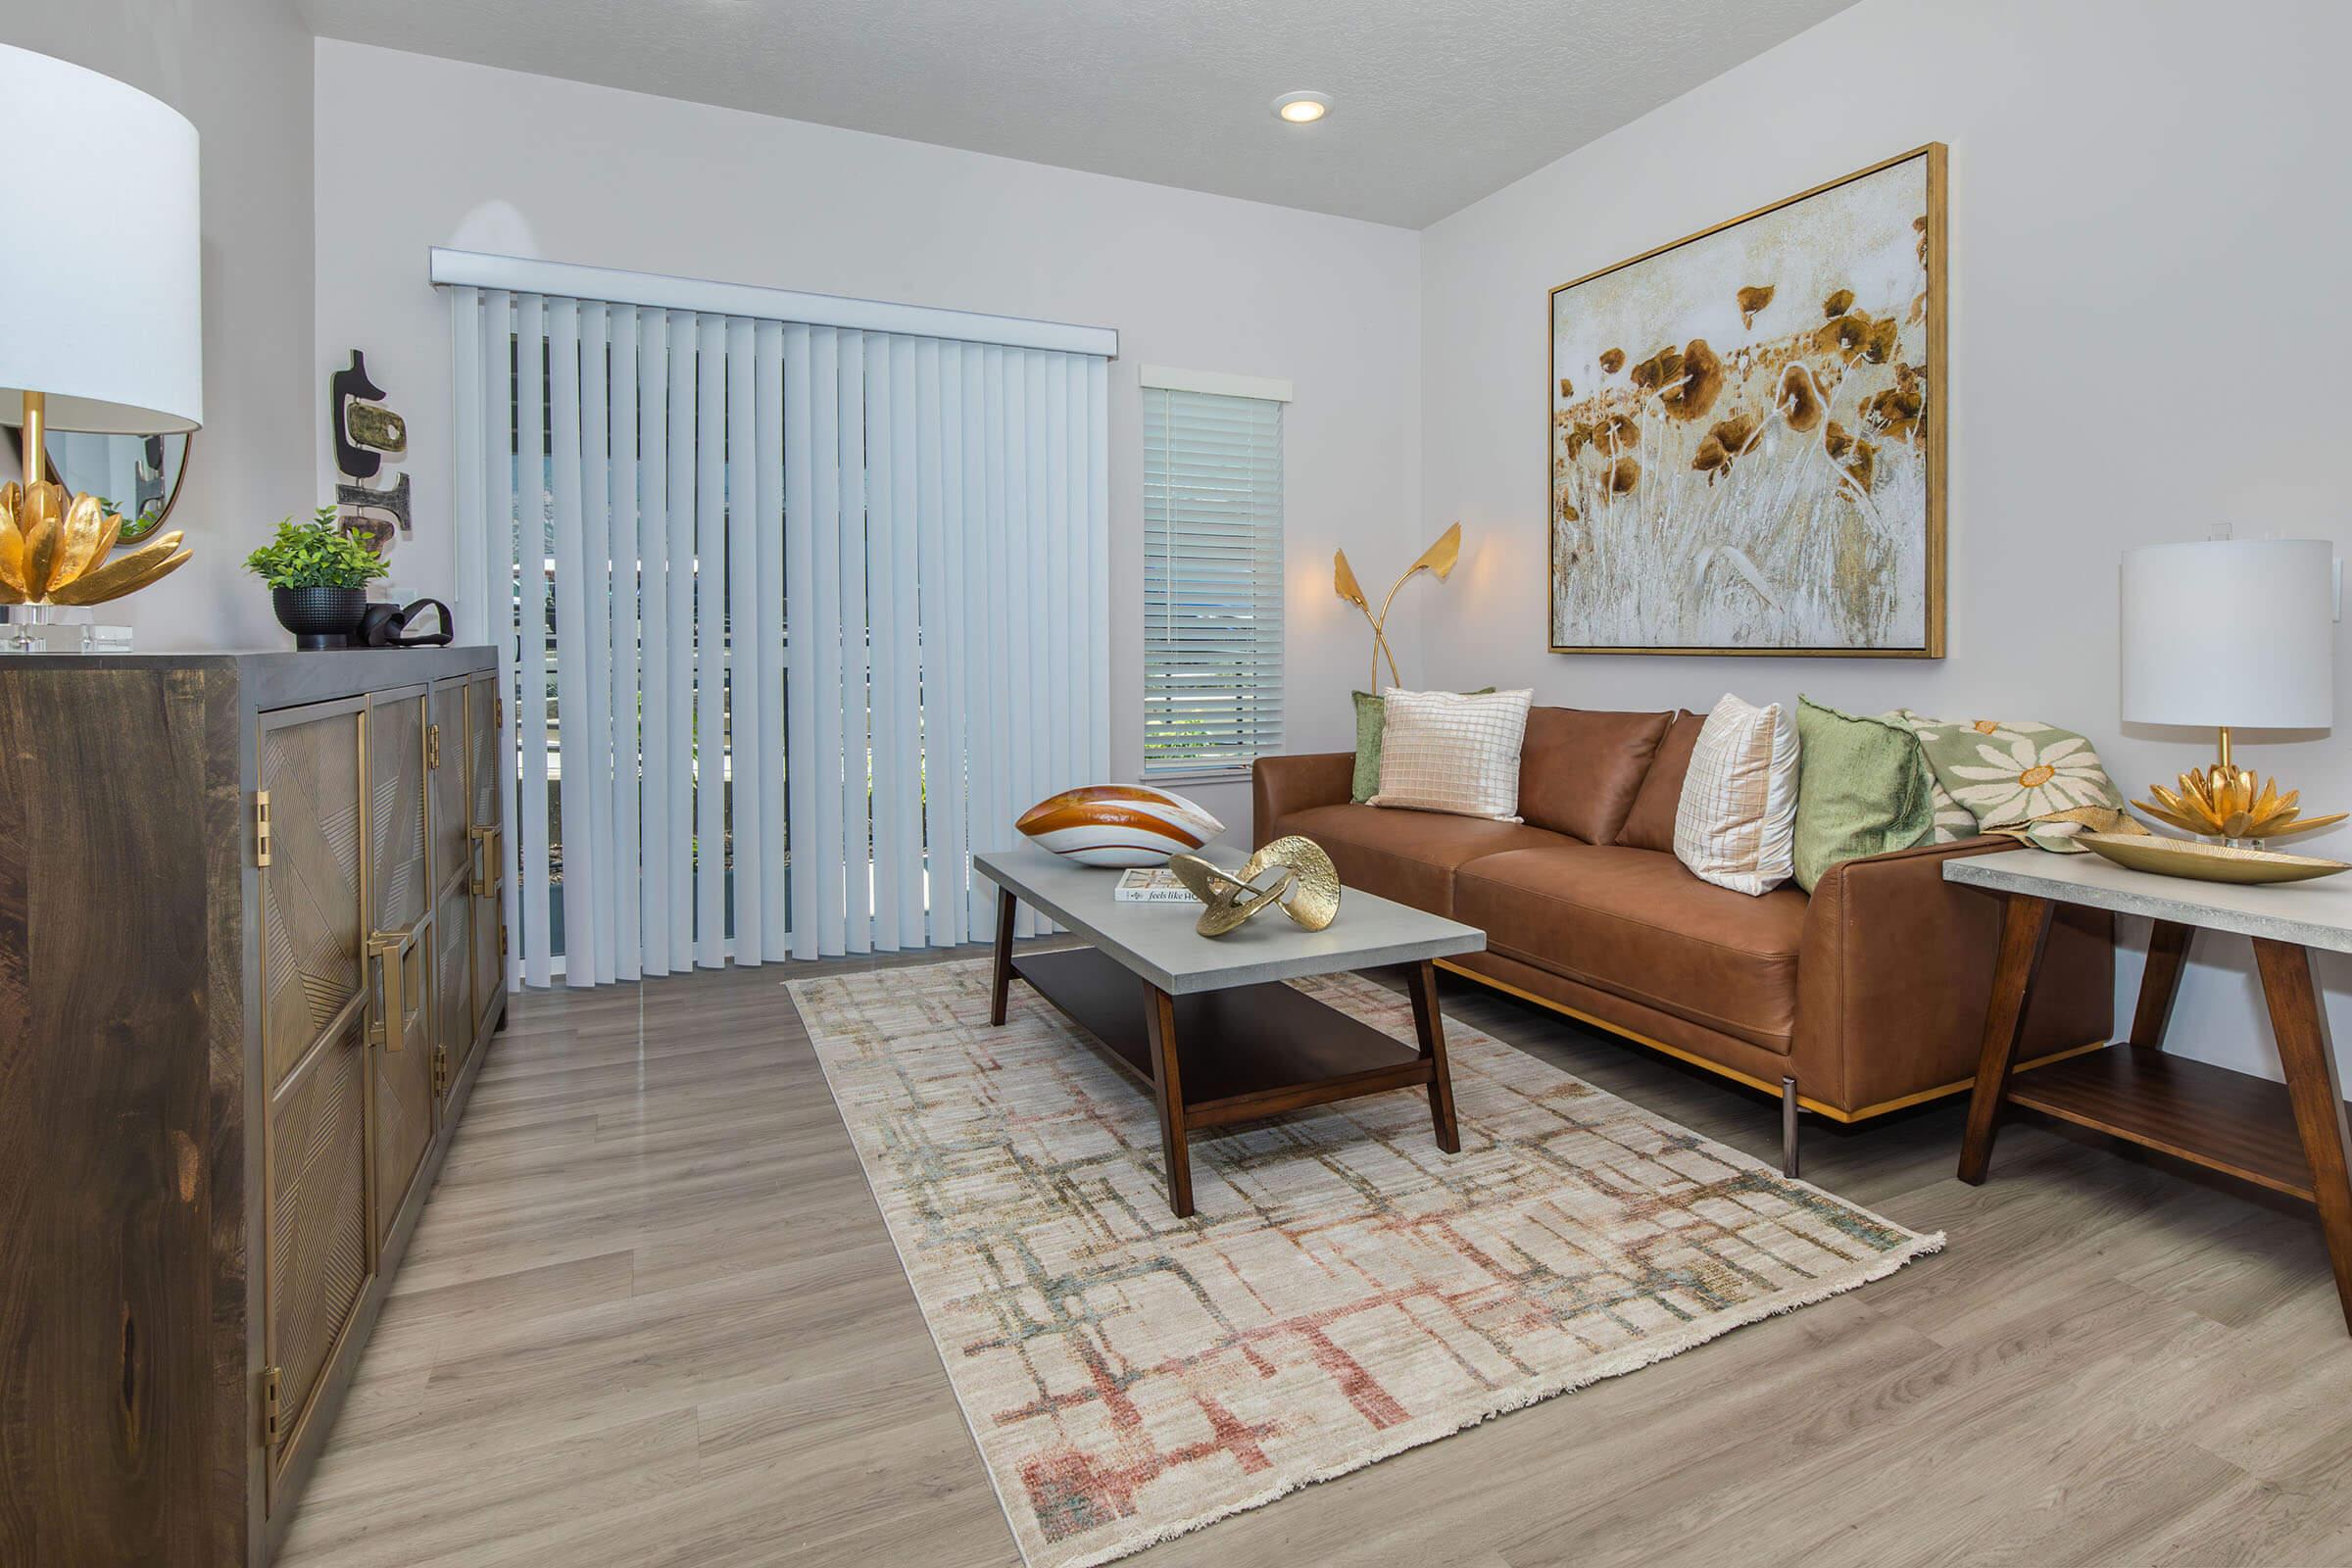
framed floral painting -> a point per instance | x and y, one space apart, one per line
1746 433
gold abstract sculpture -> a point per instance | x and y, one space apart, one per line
1437 559
2223 802
1307 889
53 550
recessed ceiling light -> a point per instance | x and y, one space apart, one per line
1302 108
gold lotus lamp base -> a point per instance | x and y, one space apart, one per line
1292 873
2225 802
53 550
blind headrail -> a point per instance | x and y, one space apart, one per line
454 268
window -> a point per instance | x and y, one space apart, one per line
1213 573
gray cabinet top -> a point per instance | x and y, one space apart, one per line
282 678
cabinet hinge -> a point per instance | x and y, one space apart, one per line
502 941
498 713
261 827
432 745
273 1419
440 1069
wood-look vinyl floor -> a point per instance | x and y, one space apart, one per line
653 1317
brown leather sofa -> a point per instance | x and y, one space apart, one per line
1864 998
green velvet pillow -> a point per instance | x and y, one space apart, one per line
1863 787
1371 717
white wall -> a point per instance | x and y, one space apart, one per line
2148 221
499 161
240 71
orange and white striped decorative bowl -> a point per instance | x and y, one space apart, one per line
1118 824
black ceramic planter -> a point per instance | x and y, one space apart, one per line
320 617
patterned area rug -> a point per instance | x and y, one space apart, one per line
1346 1291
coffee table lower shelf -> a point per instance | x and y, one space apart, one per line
1241 1053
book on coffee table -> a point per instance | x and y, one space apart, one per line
1150 884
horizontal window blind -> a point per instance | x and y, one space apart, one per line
1212 582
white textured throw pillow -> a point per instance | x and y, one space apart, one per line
1735 824
1453 752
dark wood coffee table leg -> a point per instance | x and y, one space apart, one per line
1167 1096
1429 1026
2300 1022
1004 977
2025 932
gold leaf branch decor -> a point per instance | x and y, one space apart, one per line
53 551
1437 561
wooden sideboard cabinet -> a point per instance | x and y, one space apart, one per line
251 951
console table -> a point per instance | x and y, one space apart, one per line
2291 1138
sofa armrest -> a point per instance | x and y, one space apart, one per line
1894 968
1281 785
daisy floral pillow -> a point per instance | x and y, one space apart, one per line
2031 781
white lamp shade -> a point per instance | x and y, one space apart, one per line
2236 632
99 275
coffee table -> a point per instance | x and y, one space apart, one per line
1204 1025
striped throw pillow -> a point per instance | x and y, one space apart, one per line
1448 752
1735 824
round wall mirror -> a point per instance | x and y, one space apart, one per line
136 475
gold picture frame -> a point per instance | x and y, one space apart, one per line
1926 429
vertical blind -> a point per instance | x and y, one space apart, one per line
795 617
1212 582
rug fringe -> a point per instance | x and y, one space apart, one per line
1633 1359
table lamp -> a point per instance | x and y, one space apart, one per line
2230 632
100 281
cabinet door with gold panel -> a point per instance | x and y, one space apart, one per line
486 805
311 935
447 761
319 1253
400 1028
319 1245
445 770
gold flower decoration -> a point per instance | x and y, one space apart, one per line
2225 803
53 551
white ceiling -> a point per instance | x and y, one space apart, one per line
1436 103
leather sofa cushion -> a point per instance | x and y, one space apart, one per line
1634 923
1649 826
1409 856
1579 771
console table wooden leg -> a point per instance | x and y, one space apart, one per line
1167 1086
2159 982
2025 932
2299 1020
1004 976
1429 1027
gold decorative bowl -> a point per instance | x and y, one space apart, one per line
2203 861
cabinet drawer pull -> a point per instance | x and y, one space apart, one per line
395 951
489 867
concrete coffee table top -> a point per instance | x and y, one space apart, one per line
1158 942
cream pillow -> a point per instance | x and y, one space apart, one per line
1735 824
1453 752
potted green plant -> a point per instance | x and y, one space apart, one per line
318 576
